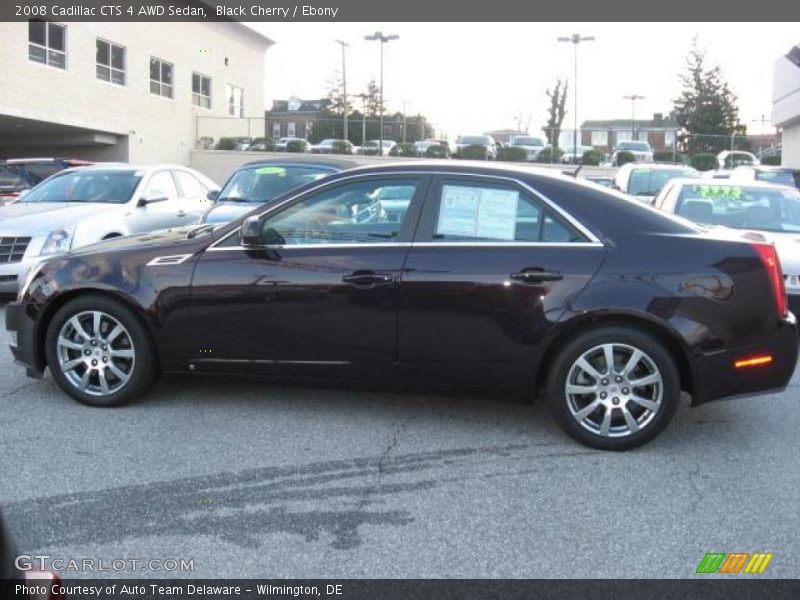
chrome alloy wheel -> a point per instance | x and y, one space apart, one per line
614 390
95 352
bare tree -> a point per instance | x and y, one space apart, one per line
556 111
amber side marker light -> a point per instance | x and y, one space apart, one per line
753 361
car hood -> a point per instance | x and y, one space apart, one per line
31 218
172 239
225 212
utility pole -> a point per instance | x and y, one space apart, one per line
633 98
378 36
575 39
344 83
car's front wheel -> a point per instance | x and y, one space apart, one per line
613 388
99 352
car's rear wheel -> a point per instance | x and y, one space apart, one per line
99 352
613 388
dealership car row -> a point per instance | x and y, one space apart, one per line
350 253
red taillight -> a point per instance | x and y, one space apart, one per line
773 265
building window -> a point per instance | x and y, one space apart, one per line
47 44
161 77
276 130
201 90
599 138
110 62
642 136
624 135
235 101
669 138
290 130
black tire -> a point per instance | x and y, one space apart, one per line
143 371
656 355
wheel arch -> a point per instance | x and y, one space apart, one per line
587 322
46 316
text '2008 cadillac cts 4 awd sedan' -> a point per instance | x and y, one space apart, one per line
427 273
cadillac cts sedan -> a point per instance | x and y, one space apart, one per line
76 207
430 274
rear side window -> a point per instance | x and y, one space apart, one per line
778 177
487 212
262 184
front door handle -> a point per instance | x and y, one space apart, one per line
535 275
367 279
182 213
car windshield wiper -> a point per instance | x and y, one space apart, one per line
233 199
201 229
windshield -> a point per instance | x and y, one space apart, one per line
111 186
782 177
636 146
648 182
473 139
741 207
527 141
262 184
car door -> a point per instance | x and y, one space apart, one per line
318 297
156 215
193 199
492 268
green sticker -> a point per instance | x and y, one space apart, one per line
279 171
720 191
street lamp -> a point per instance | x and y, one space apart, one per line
378 36
575 39
633 98
344 84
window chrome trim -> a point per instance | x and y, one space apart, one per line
594 241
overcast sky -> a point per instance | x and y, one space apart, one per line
476 77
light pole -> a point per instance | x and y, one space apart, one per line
575 39
364 118
633 98
378 36
344 84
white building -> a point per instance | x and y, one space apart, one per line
125 91
786 105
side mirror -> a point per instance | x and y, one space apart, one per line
213 195
152 196
250 232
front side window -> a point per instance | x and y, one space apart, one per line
201 90
162 183
161 78
115 186
110 62
776 176
190 186
487 212
235 101
364 212
47 43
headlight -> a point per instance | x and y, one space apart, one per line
59 241
32 273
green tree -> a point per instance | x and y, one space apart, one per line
373 99
556 111
707 106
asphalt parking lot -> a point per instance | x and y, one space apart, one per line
256 480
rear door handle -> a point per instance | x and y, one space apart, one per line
536 276
367 279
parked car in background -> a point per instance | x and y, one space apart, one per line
730 159
507 278
80 206
421 148
260 182
18 175
371 148
531 144
642 152
329 146
758 211
600 180
645 180
485 141
280 143
767 174
571 157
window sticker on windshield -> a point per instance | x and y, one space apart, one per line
718 191
279 171
478 212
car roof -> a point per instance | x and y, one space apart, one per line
728 183
763 167
318 161
656 166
